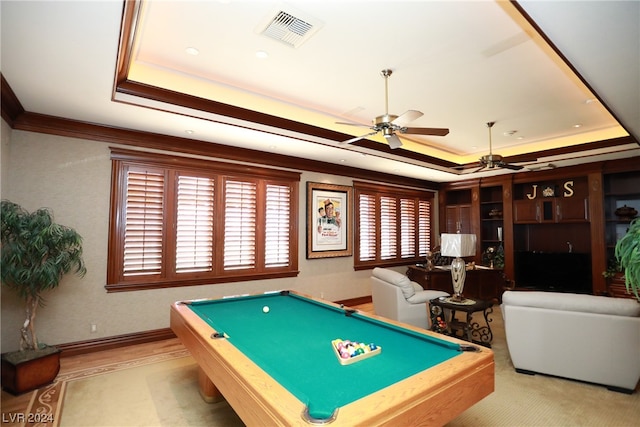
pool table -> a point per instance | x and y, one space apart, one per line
271 357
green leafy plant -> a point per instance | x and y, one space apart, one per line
627 254
36 254
613 268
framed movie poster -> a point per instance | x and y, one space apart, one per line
329 219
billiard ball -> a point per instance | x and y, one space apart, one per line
265 309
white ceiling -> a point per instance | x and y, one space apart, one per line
461 63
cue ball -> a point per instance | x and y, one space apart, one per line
265 309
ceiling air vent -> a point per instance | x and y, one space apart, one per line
290 28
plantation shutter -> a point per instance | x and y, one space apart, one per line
277 225
424 227
367 219
194 224
388 228
394 225
239 225
407 228
144 225
180 221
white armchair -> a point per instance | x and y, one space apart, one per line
398 298
582 337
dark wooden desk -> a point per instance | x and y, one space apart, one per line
483 283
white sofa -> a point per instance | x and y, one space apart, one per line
398 298
582 337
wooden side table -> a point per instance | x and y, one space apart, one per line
443 319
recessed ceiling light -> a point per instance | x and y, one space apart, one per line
590 101
510 132
262 54
577 125
192 51
189 131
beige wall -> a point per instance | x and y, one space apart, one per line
72 177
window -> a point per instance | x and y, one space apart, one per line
180 221
393 225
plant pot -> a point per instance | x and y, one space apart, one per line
28 370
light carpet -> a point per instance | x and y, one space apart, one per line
165 393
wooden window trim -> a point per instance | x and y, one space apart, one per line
122 159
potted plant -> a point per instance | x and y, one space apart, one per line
627 254
36 254
613 269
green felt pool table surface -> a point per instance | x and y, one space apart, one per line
292 344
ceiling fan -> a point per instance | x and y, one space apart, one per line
390 124
491 161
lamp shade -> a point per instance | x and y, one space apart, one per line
458 245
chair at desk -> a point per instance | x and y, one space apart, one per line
398 298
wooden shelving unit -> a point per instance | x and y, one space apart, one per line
620 189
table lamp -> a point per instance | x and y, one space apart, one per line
458 246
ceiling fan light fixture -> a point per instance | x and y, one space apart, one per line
492 161
390 124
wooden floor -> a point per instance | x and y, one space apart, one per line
19 404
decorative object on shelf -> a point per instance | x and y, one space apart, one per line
627 254
549 191
500 234
498 259
626 212
430 257
458 246
495 213
493 257
490 254
613 268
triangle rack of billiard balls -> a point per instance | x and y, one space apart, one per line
349 352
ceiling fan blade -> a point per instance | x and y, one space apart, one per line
357 138
394 142
509 166
426 131
353 124
406 118
468 166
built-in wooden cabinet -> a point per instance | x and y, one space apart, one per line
551 210
483 207
458 218
458 210
491 216
554 211
620 190
561 201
